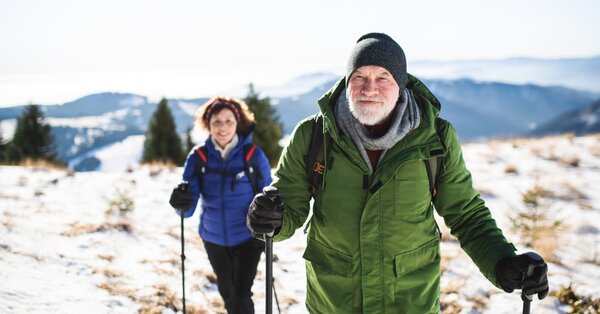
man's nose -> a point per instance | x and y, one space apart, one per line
369 88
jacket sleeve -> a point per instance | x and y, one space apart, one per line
264 168
292 181
469 219
190 174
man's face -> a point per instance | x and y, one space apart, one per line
372 93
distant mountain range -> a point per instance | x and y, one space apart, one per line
579 121
575 73
477 109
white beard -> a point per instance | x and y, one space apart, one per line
370 115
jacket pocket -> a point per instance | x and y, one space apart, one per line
330 287
411 192
407 262
328 259
417 287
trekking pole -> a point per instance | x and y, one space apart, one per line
276 299
271 193
182 263
184 186
525 297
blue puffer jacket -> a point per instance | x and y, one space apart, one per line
224 203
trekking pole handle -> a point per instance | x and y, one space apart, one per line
536 261
184 186
271 193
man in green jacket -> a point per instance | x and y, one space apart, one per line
373 244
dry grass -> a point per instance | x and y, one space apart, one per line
571 161
42 164
162 271
454 286
108 258
450 307
479 302
218 305
79 229
118 289
156 167
578 303
510 169
445 261
209 274
162 298
568 192
7 224
287 300
107 272
537 223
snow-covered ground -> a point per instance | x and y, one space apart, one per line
63 250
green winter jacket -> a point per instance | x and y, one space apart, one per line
373 244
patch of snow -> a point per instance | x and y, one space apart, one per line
44 215
8 127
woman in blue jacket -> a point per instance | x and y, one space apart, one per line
225 173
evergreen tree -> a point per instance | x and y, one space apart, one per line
33 138
162 143
1 147
189 143
268 129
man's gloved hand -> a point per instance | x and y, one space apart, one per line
528 272
181 197
265 214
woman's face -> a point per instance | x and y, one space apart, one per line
223 126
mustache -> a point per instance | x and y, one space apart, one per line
367 98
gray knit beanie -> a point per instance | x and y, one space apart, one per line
381 50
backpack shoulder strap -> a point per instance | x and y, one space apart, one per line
249 164
435 166
202 152
317 154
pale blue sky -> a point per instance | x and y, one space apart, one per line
54 51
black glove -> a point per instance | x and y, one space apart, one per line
265 214
181 197
527 271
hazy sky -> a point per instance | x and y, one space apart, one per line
59 50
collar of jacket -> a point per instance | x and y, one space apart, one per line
421 143
242 140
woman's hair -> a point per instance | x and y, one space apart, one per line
245 118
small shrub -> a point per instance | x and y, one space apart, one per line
536 225
122 204
578 303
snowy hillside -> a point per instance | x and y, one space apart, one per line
65 247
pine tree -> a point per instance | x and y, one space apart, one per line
1 147
189 142
268 129
32 139
162 143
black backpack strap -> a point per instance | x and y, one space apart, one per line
317 154
435 166
249 167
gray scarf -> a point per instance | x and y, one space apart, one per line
406 119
